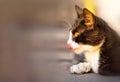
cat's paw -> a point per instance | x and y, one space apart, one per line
80 68
75 69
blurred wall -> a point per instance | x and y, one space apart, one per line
38 11
109 10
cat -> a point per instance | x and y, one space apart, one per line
92 37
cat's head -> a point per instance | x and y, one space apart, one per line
84 35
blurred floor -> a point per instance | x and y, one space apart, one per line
41 55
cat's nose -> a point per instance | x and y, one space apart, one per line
69 46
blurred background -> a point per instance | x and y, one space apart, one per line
33 38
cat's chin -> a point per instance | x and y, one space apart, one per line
78 51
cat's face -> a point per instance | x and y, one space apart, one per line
83 35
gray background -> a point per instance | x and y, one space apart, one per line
33 42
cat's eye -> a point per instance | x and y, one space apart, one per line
76 34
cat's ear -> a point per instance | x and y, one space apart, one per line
79 11
88 18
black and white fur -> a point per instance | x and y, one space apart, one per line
92 36
92 55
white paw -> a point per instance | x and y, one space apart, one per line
75 69
80 68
